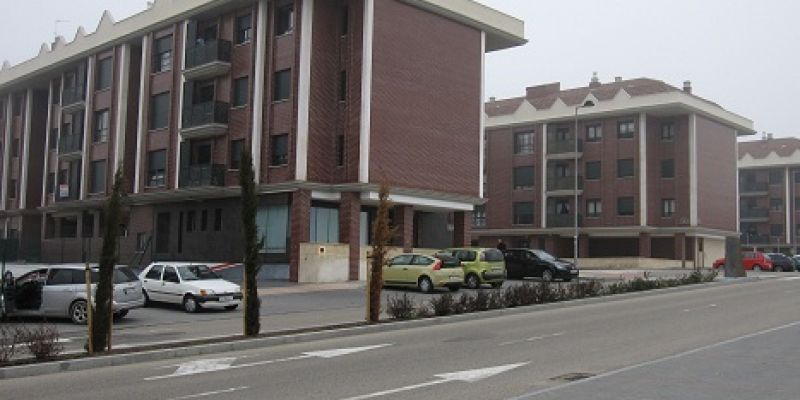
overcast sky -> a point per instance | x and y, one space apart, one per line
742 54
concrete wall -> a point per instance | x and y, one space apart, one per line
323 263
630 263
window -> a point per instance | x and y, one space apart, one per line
594 207
241 92
157 168
283 85
141 241
479 217
776 230
523 177
244 28
668 168
776 204
104 74
523 142
667 132
190 221
561 207
162 54
796 176
87 221
797 203
562 134
204 220
594 133
154 273
667 208
218 219
343 86
625 168
170 275
625 129
159 111
12 188
625 206
340 150
51 181
523 213
562 170
15 148
324 225
285 20
236 153
53 139
593 170
60 277
280 150
100 133
98 173
775 177
272 222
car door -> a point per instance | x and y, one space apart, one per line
58 292
126 285
420 265
513 264
393 272
152 283
171 285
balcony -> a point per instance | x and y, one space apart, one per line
563 149
202 175
205 120
72 99
563 220
563 185
754 215
66 193
753 188
70 147
754 239
208 59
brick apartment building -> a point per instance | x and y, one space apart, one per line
656 170
331 97
769 194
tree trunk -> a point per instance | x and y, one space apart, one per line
252 304
382 234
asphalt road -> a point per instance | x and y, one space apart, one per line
725 342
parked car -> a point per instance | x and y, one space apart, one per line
192 285
781 262
481 266
424 272
528 263
752 260
796 259
60 291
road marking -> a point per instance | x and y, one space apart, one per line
469 376
206 394
791 278
536 393
225 364
532 339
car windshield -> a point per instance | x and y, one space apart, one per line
543 255
124 275
196 273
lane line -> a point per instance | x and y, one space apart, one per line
232 367
536 393
533 339
206 394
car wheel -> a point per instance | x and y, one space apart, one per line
454 288
231 308
567 279
497 285
79 312
147 301
756 268
120 315
778 268
190 304
472 281
547 276
425 284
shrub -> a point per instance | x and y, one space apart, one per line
478 302
462 305
443 305
42 342
401 307
423 312
497 300
10 337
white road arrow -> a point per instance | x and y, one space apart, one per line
469 376
224 364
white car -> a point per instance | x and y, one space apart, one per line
193 285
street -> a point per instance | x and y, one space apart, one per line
724 342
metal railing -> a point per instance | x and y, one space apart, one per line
563 146
563 220
563 183
746 187
754 213
202 175
212 112
207 52
752 238
71 96
70 143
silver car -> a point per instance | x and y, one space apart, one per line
60 291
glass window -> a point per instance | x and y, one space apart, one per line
155 272
492 255
776 230
53 139
100 126
272 223
98 182
159 111
104 73
403 259
561 207
324 225
241 91
479 217
776 204
79 276
59 277
625 168
523 177
124 275
157 168
523 213
625 206
280 150
284 20
162 54
594 133
283 85
170 275
51 181
236 153
465 255
594 207
668 168
668 207
523 142
421 260
775 177
625 129
196 273
244 28
667 132
593 170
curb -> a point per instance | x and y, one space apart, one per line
328 332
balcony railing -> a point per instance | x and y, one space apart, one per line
70 143
563 183
211 51
752 238
563 220
209 113
202 175
753 187
73 95
563 146
752 213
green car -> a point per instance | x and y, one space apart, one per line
481 266
424 272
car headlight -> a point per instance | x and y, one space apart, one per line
204 292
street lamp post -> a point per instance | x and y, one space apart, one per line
587 104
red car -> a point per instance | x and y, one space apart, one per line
752 261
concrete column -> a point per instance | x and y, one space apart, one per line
462 228
300 230
583 246
680 248
645 244
404 225
350 230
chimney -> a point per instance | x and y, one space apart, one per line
543 90
687 86
492 99
617 79
595 82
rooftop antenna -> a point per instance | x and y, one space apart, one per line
55 26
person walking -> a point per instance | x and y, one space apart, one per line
501 245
